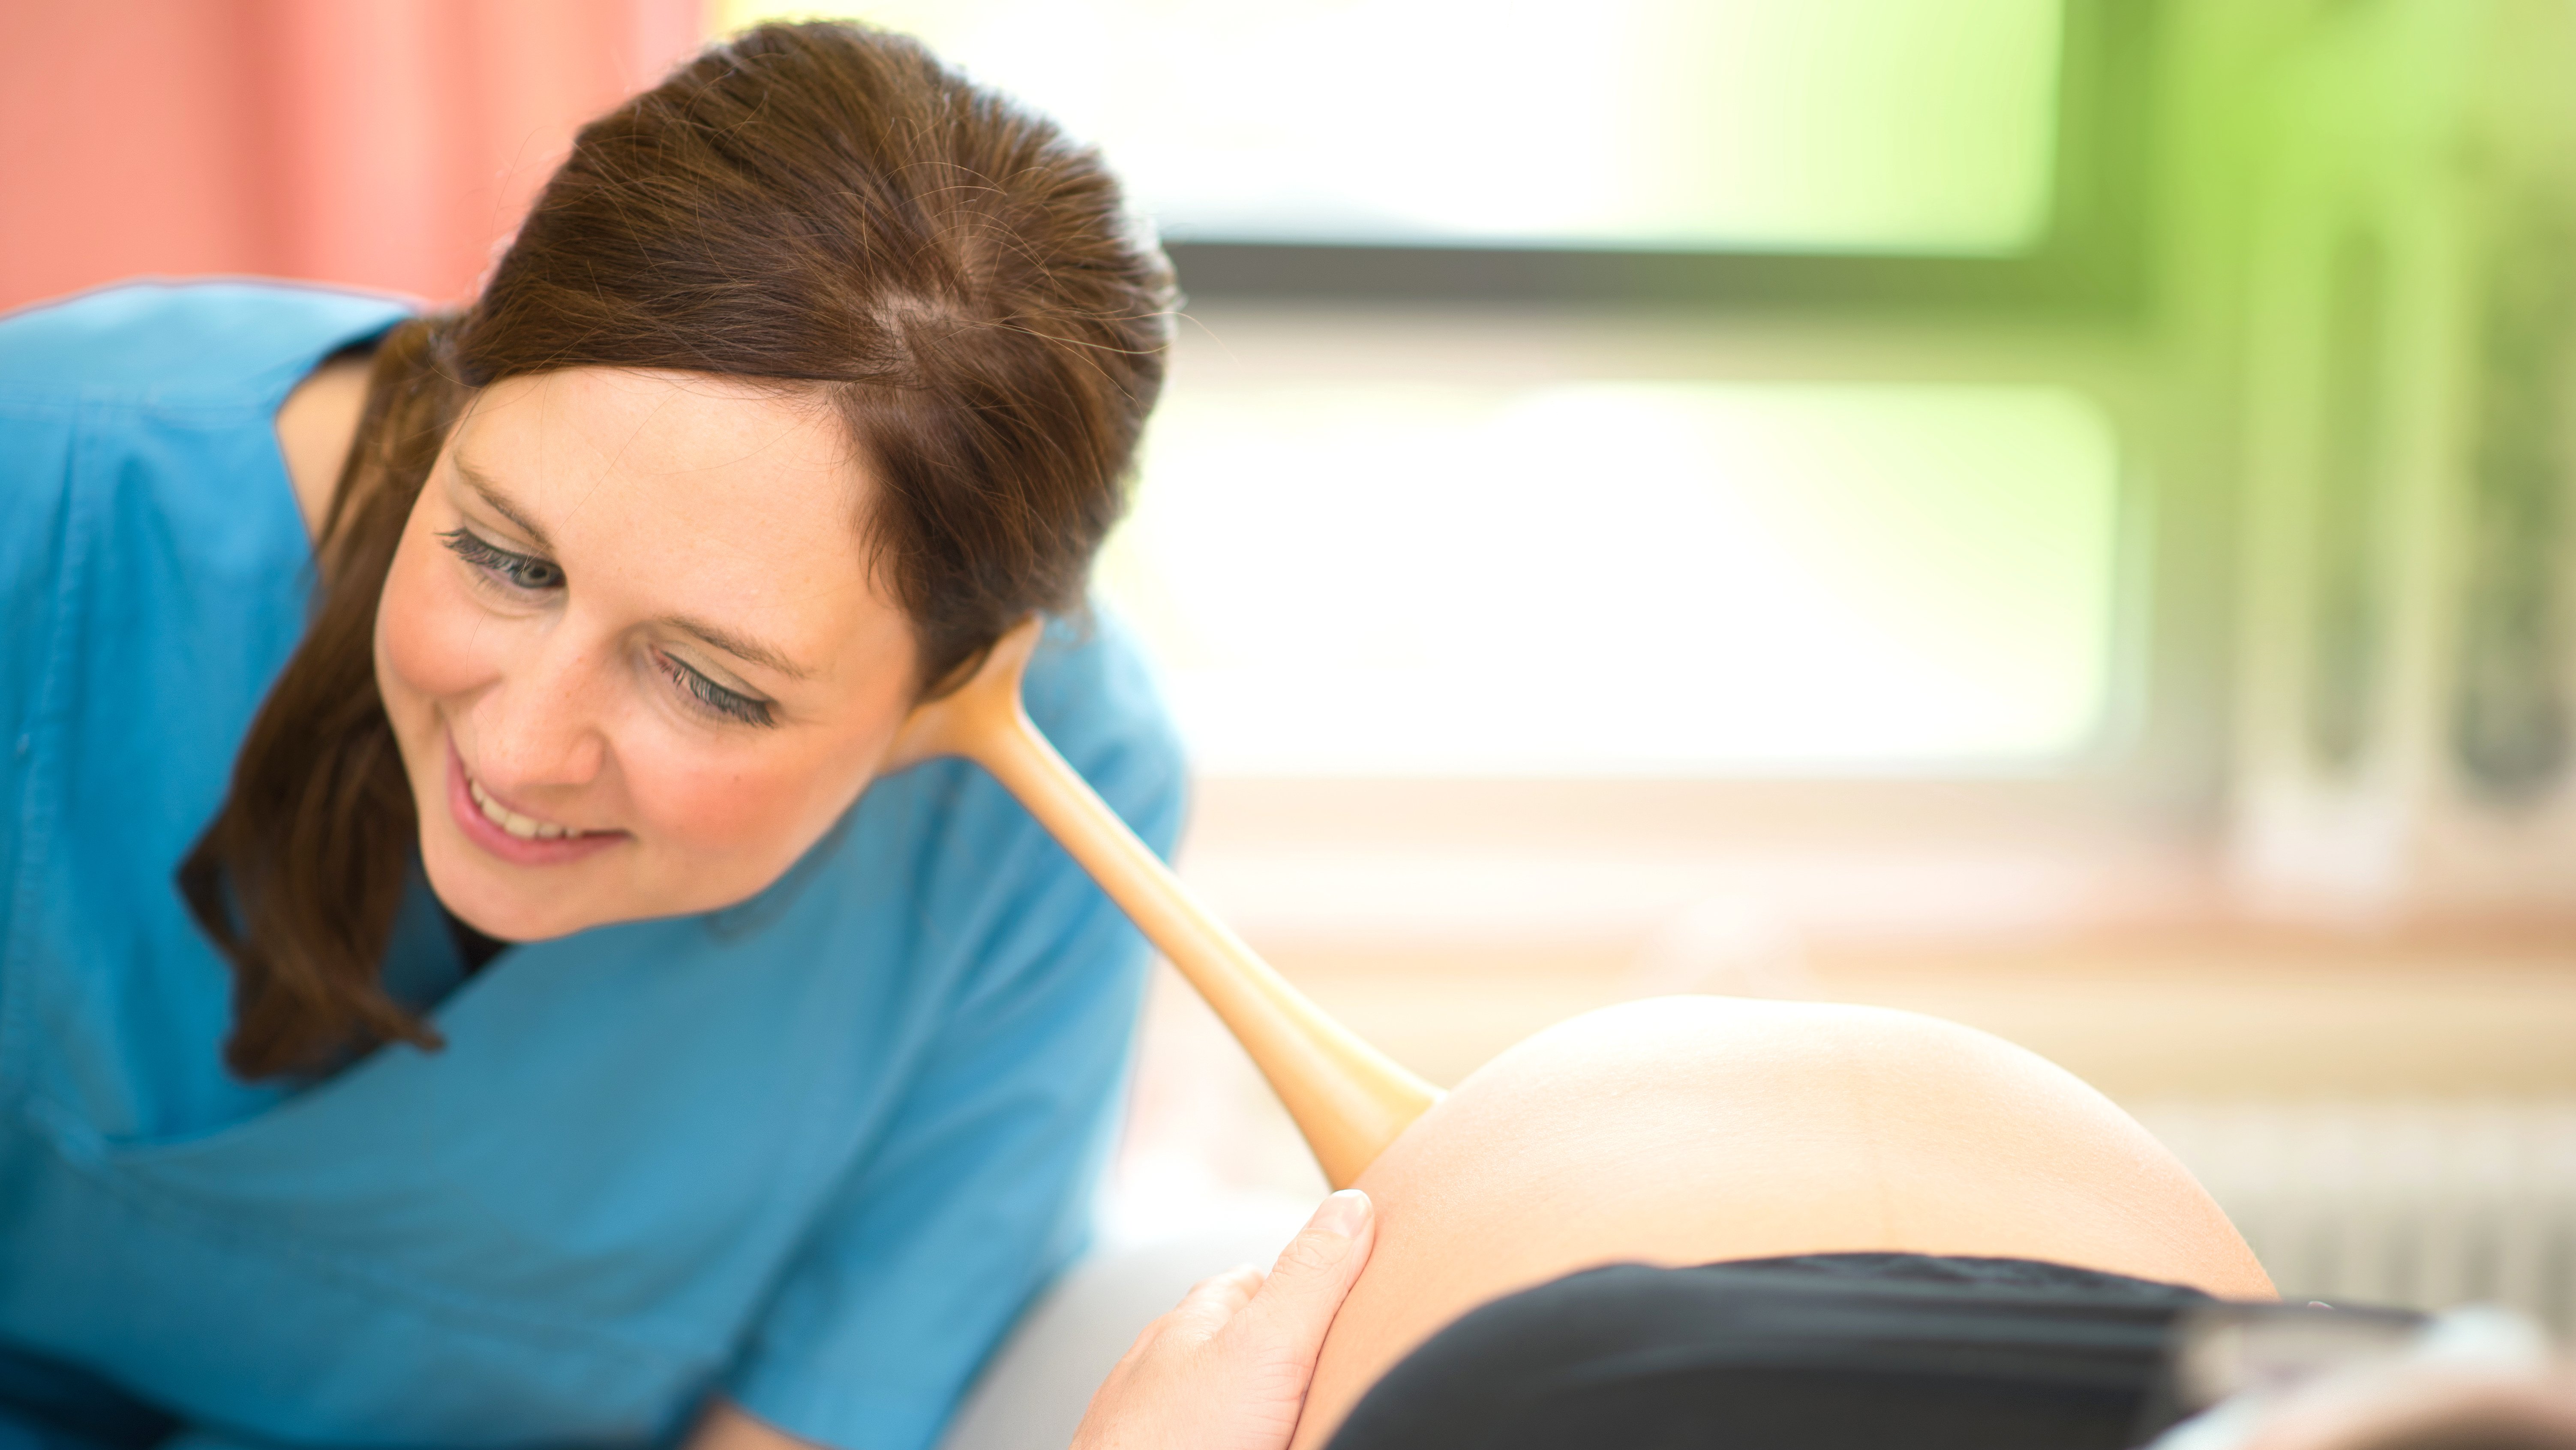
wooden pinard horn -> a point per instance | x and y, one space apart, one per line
1348 1099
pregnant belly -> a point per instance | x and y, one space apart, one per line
1691 1130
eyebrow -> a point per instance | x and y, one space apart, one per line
741 647
500 503
738 646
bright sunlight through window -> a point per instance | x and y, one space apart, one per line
1626 578
1871 126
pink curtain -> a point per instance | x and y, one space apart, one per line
386 143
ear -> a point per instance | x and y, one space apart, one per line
957 717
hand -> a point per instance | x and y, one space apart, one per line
1228 1369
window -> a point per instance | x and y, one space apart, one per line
1354 568
1920 127
1629 578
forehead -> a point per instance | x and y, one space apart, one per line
683 493
600 425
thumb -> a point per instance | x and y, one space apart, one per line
1314 1273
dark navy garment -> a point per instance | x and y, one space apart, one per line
1814 1352
815 1151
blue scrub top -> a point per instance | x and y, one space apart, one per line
814 1151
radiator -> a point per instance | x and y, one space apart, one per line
2423 1203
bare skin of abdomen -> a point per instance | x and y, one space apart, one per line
1691 1130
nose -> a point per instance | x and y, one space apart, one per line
543 722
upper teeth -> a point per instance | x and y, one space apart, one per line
511 821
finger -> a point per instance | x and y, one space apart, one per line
1212 1301
1203 1311
1314 1274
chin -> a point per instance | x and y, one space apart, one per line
514 903
537 907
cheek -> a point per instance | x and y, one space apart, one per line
431 641
759 803
753 804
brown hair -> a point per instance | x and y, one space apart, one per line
821 204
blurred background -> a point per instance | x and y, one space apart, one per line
2055 513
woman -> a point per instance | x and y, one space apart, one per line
552 1034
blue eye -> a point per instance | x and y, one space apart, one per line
519 571
730 703
533 575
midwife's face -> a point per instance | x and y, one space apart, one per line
631 648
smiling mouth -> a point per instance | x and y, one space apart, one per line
526 828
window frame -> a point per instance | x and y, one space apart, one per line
2092 259
1319 867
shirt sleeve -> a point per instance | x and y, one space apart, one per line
981 1189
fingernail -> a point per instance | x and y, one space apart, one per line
1343 1213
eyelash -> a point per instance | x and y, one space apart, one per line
501 565
712 695
511 570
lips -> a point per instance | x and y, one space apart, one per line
521 840
523 827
